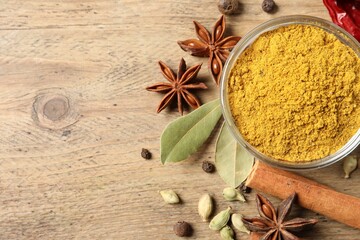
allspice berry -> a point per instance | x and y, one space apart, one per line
268 5
183 229
146 154
228 6
208 167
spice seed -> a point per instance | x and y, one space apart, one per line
267 211
211 45
183 229
226 233
220 220
349 165
205 207
146 154
275 228
232 194
258 224
208 167
170 196
228 6
268 5
182 82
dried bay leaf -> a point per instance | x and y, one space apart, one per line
185 135
233 162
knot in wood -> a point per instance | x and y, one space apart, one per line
54 110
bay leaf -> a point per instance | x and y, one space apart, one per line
183 136
233 162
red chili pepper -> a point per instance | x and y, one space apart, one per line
346 14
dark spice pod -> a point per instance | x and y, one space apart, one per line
178 86
183 229
243 188
268 5
228 6
208 167
146 154
213 45
273 222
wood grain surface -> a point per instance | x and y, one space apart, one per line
74 116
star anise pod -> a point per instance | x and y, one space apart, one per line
272 221
178 86
213 45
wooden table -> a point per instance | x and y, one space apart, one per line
74 116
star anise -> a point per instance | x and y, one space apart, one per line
214 46
178 86
272 222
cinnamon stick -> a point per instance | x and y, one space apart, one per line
311 195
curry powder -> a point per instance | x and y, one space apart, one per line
294 93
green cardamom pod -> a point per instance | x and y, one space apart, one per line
205 207
350 164
236 220
226 233
220 220
231 194
170 196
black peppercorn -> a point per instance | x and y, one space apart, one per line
208 167
228 6
268 5
183 229
244 188
145 154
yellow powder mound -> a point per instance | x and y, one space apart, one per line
294 93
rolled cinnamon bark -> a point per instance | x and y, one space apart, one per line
311 195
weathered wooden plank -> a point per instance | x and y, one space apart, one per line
74 116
